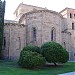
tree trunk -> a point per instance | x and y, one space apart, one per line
55 64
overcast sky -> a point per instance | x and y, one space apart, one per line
56 5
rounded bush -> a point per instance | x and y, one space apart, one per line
54 53
32 48
31 59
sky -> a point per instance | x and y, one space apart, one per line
55 5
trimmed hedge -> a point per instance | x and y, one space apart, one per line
54 53
31 59
32 48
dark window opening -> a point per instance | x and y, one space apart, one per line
19 43
74 15
74 54
64 45
70 15
73 26
53 34
34 34
4 42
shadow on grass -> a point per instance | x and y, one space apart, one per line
47 67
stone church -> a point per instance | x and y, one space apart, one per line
36 25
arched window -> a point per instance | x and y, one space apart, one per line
18 43
72 26
53 34
70 15
64 45
34 33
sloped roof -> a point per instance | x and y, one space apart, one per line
27 5
66 9
37 11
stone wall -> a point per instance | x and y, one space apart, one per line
51 20
68 37
43 21
34 20
15 37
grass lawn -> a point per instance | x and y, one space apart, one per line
11 68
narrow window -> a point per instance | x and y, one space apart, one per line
53 34
70 15
64 45
73 26
4 43
74 15
74 54
18 43
34 34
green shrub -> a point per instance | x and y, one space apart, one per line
32 48
31 59
54 53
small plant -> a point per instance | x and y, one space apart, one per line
54 53
31 59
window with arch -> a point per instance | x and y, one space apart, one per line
18 43
34 33
70 15
72 26
64 45
53 34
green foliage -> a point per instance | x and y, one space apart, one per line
31 59
2 11
32 48
54 53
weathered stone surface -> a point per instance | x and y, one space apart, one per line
19 34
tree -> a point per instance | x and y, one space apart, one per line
2 11
29 59
32 48
54 53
